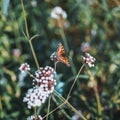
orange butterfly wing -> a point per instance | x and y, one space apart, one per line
61 55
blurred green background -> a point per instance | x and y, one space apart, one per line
92 26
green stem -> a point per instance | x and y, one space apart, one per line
66 100
98 103
33 52
75 81
35 113
63 111
28 36
48 107
24 15
55 109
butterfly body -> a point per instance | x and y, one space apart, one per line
60 56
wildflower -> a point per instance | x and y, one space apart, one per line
59 16
24 67
34 3
89 59
16 52
58 12
93 32
32 117
45 77
35 97
85 47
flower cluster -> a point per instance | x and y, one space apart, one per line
58 12
35 97
24 67
89 59
32 117
44 81
45 77
59 18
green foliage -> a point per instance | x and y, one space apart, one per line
95 22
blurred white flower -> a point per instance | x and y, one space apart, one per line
85 47
16 52
93 32
34 3
58 12
89 59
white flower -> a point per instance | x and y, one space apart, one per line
24 67
89 59
45 78
85 47
35 97
34 3
33 117
58 12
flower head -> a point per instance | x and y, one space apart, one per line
24 67
85 47
16 52
32 117
35 97
45 77
58 12
89 59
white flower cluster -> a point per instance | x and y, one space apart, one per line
89 59
24 67
45 77
44 81
35 97
32 117
58 12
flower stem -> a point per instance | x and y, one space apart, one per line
95 88
63 111
73 108
48 107
33 52
28 36
55 109
98 103
75 81
24 15
35 113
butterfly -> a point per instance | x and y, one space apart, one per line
60 56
